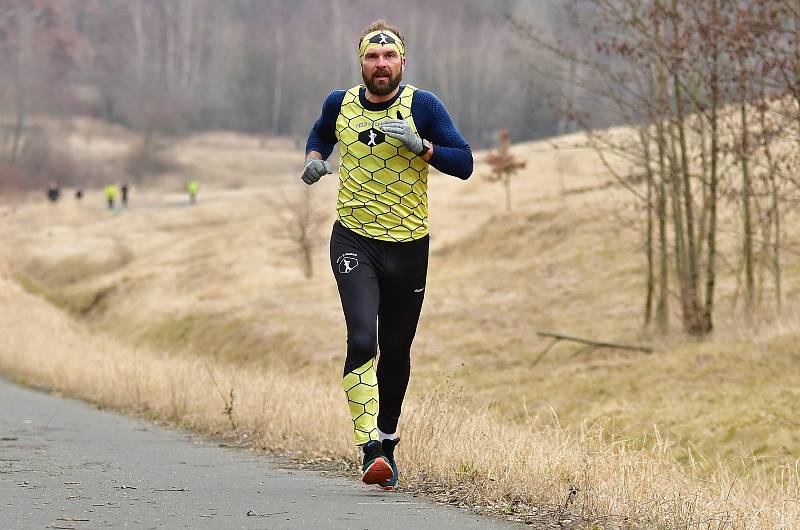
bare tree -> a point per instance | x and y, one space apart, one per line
684 74
301 221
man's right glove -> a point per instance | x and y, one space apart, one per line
401 130
314 169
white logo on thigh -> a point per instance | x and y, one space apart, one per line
347 262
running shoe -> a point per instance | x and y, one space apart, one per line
376 468
387 446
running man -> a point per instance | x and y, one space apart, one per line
388 134
53 191
191 188
111 194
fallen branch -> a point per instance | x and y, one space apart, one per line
590 346
559 337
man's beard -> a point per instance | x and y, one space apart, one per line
382 90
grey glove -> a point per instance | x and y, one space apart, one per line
401 130
314 169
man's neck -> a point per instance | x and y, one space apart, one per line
372 98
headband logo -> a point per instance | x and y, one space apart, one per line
381 38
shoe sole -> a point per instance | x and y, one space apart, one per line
379 471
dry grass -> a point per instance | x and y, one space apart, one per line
217 284
506 467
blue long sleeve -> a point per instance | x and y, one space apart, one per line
322 137
451 152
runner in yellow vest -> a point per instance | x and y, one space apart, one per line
191 188
111 194
388 134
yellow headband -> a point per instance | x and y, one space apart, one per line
382 37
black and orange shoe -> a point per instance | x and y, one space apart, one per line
376 468
387 447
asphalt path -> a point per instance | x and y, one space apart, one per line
65 464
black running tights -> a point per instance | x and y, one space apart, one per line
381 286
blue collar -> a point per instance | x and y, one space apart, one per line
367 104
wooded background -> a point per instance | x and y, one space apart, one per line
260 66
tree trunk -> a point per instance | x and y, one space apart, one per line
308 264
747 191
691 306
681 265
22 83
19 123
662 311
277 92
659 90
337 27
644 136
703 214
137 18
711 235
776 249
774 214
796 88
765 222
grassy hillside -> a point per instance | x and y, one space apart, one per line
220 280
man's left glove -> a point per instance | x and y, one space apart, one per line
314 169
401 130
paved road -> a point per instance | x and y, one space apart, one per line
65 464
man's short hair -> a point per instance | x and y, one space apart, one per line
377 26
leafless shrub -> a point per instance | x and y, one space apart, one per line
504 165
301 221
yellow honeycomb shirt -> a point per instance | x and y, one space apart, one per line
383 187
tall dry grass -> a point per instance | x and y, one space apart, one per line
447 440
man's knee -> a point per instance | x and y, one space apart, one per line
395 359
361 347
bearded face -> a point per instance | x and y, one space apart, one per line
382 70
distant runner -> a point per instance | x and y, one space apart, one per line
53 192
388 134
191 188
111 195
